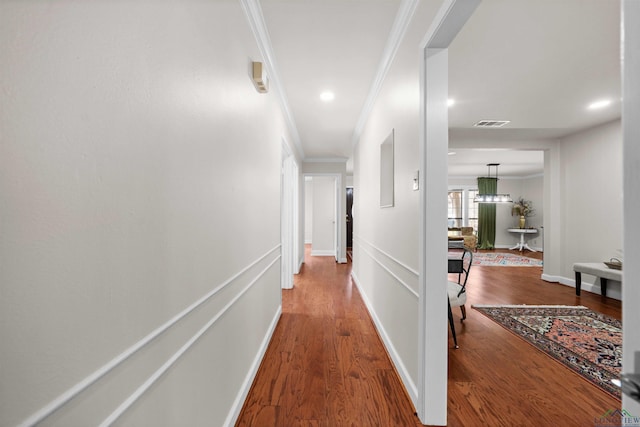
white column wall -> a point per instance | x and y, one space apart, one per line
136 163
631 135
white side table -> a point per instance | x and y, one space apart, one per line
521 245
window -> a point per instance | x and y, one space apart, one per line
472 211
455 208
461 209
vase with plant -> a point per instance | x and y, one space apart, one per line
524 209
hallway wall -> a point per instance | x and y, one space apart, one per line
385 240
136 162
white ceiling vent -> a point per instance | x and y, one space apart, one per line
491 123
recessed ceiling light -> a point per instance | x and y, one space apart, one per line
599 104
450 102
327 96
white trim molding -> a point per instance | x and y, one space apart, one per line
254 15
323 253
388 269
612 290
67 396
251 375
400 263
151 380
326 159
400 26
433 148
409 384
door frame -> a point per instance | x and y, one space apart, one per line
289 217
434 145
340 252
630 44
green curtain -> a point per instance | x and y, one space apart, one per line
487 214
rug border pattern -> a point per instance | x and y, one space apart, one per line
558 352
478 261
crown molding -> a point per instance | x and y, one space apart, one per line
254 15
398 30
326 159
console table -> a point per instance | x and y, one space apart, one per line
522 245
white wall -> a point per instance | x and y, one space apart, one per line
592 197
136 162
385 240
324 216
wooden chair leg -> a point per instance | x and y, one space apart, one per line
464 312
452 325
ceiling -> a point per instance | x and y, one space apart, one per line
537 63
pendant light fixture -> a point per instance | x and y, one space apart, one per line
492 198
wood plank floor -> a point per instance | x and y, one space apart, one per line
326 365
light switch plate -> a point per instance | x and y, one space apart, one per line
416 181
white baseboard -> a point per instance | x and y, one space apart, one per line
586 286
510 246
248 381
553 279
410 386
323 253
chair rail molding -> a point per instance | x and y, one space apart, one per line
388 269
113 417
90 380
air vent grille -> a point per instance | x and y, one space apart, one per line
491 123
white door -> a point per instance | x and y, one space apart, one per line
324 216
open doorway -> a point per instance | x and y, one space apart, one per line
320 215
324 222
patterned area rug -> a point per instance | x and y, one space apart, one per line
505 260
586 342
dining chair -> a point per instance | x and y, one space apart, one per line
456 291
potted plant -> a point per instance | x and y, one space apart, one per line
524 209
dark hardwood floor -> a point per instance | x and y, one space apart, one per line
326 365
